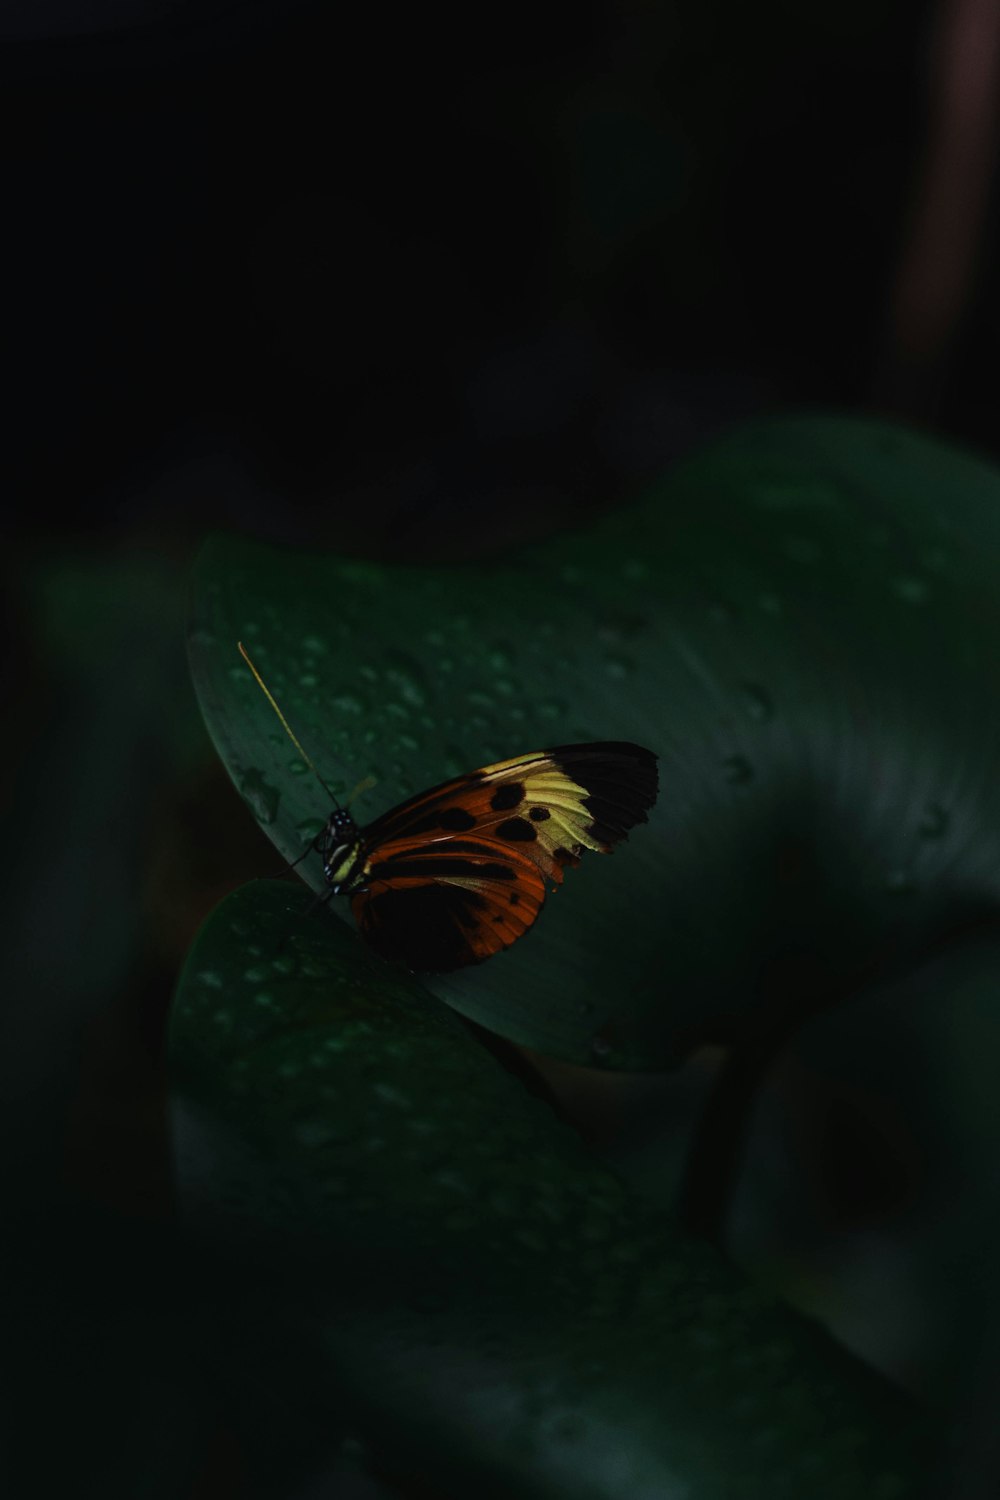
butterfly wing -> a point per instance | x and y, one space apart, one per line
442 904
460 871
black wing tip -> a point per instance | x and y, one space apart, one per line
621 781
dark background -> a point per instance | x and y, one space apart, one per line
381 279
419 286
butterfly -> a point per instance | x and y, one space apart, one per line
460 872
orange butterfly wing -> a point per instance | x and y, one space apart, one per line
459 872
438 906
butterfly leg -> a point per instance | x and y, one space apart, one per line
315 905
313 848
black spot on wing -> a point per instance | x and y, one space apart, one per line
539 814
458 819
517 830
453 819
428 823
506 797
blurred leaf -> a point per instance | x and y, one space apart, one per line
802 622
106 717
445 1268
869 1196
112 625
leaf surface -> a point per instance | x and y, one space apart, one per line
447 1270
802 622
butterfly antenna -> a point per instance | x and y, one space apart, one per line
284 722
362 787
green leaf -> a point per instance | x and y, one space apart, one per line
870 1172
449 1272
802 622
106 719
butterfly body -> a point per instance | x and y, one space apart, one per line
344 854
461 871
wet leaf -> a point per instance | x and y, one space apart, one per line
418 1247
802 622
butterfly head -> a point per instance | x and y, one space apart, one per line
343 851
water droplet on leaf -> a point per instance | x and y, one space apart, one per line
910 590
348 703
500 657
934 823
390 1095
260 796
758 704
406 677
620 628
738 770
